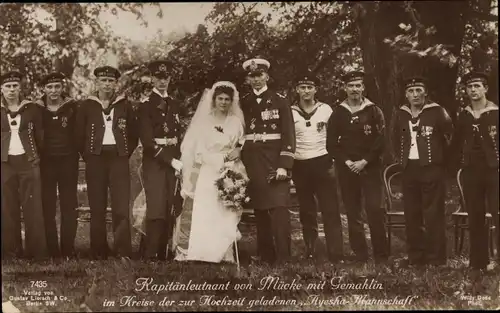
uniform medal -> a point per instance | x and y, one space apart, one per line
492 131
367 129
122 123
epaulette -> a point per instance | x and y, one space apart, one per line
280 95
145 100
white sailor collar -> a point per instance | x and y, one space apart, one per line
297 107
490 106
22 105
405 108
364 104
117 99
43 104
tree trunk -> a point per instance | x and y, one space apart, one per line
448 19
382 67
385 68
63 63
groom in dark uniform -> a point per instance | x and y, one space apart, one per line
268 154
159 135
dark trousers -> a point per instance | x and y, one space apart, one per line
314 182
21 188
273 234
60 173
368 186
159 185
424 189
108 170
480 185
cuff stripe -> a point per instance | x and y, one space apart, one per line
286 153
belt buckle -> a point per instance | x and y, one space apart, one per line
257 137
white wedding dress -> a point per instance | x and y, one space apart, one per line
206 230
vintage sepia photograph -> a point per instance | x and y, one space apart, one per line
249 156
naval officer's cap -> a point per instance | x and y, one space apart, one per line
160 68
256 66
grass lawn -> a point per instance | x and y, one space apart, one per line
84 285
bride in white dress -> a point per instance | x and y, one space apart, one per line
206 230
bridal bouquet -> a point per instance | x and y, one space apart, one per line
232 185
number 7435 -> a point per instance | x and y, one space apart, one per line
38 283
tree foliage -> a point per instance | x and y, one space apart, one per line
39 37
388 39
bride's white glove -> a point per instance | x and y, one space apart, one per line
177 165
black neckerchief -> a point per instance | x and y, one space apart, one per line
304 114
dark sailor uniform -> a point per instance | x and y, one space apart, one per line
356 136
160 138
106 139
22 142
59 171
312 178
475 146
269 145
421 145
